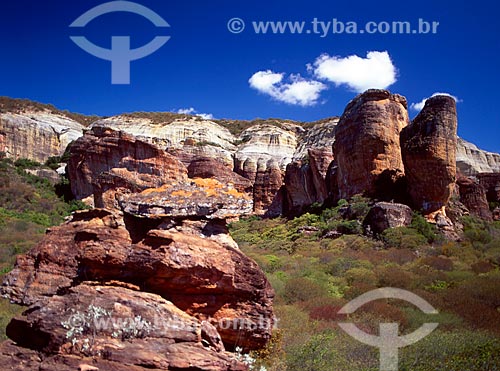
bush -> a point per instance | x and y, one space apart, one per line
302 289
426 229
24 163
439 263
403 238
392 276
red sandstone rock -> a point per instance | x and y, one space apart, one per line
491 183
367 144
201 277
429 150
473 196
108 161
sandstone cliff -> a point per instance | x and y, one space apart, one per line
429 154
36 135
367 144
472 160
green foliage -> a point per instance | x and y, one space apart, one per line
24 163
403 238
426 229
314 276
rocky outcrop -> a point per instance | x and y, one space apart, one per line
112 325
212 168
2 143
367 144
104 162
473 196
305 181
384 215
36 135
472 160
195 136
207 198
266 187
491 183
171 292
316 136
428 148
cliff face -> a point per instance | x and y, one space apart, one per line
428 148
367 154
36 135
472 160
367 142
104 161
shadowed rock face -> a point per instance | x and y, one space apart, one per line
367 143
491 184
429 152
305 183
384 215
473 196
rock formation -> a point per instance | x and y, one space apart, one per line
367 144
173 288
491 184
384 215
200 197
472 160
305 182
105 161
428 148
36 135
473 196
206 167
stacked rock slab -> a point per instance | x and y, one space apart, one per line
429 154
367 144
177 276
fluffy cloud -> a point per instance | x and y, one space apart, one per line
298 91
359 74
418 106
192 111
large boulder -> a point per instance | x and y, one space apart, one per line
201 197
384 215
428 146
172 291
117 325
367 145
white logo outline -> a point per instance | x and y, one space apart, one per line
120 53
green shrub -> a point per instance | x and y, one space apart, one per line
426 229
403 238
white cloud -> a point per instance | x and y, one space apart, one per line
192 111
298 91
418 106
359 74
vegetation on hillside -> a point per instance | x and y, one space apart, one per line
28 205
13 105
314 276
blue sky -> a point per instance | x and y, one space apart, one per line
206 67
